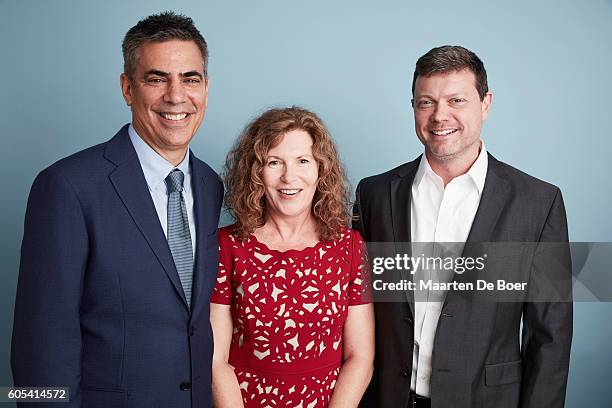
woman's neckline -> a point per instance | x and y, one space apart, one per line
310 248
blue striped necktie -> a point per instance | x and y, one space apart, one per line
179 238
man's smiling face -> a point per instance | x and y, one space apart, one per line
448 114
168 95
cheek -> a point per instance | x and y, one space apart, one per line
473 121
268 178
145 97
421 117
313 181
312 176
198 98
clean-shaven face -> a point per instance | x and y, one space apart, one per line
448 114
168 94
290 176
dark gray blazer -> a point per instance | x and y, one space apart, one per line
477 358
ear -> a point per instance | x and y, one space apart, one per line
486 105
126 89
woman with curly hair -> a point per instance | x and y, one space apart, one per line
292 320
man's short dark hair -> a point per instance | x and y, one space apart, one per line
161 27
450 58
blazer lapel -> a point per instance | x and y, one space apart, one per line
495 195
205 223
400 190
131 186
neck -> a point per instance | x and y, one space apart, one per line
289 229
172 156
450 167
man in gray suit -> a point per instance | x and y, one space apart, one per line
445 352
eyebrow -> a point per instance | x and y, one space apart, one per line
453 95
298 157
167 74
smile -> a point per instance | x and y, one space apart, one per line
443 132
173 116
290 192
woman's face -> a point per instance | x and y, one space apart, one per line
290 176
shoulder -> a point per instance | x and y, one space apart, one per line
226 231
78 168
226 237
350 237
521 182
382 180
204 169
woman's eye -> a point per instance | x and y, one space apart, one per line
304 161
273 163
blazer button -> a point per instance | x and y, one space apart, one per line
408 319
185 386
405 373
191 330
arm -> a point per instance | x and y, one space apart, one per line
359 224
226 391
358 357
547 326
358 332
225 387
46 347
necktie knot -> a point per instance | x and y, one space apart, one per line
174 181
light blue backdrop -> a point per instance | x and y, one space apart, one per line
351 62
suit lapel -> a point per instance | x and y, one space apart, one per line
131 186
495 195
400 191
205 223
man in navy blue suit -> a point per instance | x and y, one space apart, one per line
119 255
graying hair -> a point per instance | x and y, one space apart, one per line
161 27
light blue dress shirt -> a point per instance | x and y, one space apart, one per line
156 169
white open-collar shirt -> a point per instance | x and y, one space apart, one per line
439 214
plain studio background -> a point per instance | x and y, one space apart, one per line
351 62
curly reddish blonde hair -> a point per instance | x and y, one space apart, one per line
245 199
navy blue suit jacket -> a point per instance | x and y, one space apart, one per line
100 307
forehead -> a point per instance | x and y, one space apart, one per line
444 83
169 55
293 142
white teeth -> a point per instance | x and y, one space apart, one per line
443 132
170 116
290 192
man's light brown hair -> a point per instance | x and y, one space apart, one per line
449 58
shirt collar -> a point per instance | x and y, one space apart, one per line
478 171
154 166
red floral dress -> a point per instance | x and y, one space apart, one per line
288 310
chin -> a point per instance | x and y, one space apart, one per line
291 213
179 140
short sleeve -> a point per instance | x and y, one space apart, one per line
359 290
222 292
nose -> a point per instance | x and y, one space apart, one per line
289 174
175 93
440 113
